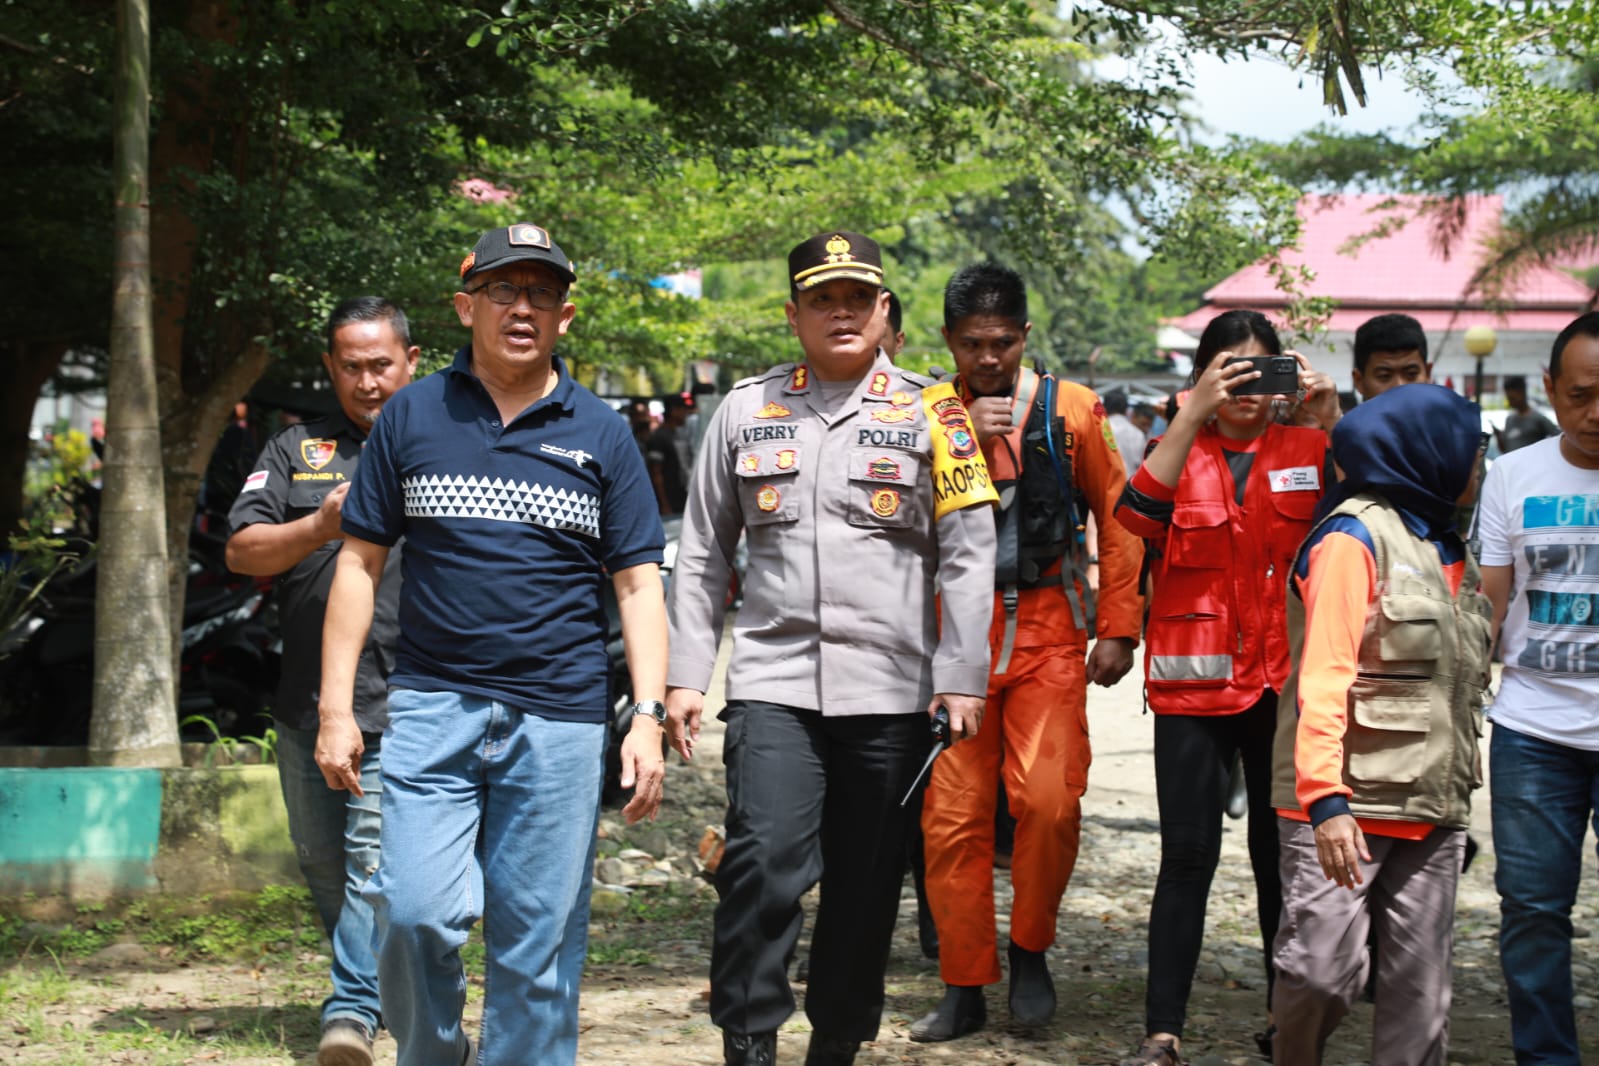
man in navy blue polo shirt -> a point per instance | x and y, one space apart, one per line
517 491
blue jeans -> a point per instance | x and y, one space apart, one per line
487 813
335 836
1544 794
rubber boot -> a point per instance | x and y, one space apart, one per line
1032 993
961 1011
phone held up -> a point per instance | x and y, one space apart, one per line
1279 375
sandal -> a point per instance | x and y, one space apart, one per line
1154 1053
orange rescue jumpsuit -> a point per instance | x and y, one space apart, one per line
1035 726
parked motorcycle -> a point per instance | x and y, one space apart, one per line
229 662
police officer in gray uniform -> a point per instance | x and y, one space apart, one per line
857 485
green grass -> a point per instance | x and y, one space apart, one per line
619 955
57 995
651 918
276 921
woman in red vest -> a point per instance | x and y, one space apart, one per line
1223 499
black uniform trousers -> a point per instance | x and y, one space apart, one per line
811 798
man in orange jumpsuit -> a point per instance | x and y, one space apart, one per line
1053 457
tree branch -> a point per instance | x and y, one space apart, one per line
866 29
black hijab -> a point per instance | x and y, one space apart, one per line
1415 446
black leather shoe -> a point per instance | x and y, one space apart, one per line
961 1011
1032 993
830 1051
749 1049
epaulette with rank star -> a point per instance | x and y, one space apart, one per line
780 370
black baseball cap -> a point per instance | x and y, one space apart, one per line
835 254
521 242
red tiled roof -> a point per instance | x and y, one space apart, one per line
1404 270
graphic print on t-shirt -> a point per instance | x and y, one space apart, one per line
1560 537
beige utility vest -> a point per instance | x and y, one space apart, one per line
1415 707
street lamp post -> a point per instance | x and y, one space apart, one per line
1480 341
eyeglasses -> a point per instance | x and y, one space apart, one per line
503 292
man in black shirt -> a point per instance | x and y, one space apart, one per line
670 456
285 524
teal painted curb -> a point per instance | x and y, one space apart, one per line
83 831
93 832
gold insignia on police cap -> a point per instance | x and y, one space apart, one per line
468 262
767 498
885 502
527 236
842 254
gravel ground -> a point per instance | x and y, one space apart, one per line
643 996
1098 960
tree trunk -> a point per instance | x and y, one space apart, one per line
186 145
24 366
190 426
135 703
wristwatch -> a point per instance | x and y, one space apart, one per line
654 708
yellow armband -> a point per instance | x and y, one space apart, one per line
960 477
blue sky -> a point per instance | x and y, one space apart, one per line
1265 99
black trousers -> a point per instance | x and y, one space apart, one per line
811 798
1193 758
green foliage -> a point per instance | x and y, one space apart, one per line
56 485
265 746
648 137
31 561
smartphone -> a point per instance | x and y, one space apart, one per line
1279 374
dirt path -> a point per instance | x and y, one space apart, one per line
1098 960
642 994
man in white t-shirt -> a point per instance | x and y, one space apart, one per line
1539 526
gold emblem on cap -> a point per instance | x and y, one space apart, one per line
527 235
838 250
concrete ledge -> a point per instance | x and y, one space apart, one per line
94 832
194 755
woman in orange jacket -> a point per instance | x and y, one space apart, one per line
1223 499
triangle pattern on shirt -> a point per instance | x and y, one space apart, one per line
443 496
